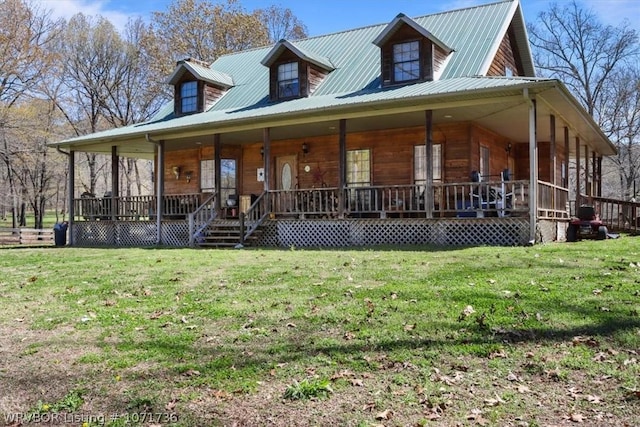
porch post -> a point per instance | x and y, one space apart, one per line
428 191
266 142
599 167
533 170
587 180
565 182
552 149
72 190
159 192
577 173
342 168
217 173
115 181
552 155
595 176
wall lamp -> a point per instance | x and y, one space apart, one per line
262 151
305 148
508 149
176 171
188 175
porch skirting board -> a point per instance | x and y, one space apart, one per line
301 233
129 233
376 232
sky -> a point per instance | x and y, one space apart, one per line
329 16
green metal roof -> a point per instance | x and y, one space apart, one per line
473 33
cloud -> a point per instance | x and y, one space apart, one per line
67 8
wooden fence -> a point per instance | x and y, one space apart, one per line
26 236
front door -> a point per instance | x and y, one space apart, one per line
286 182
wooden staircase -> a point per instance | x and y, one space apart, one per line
225 233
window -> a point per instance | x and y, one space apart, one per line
227 177
189 97
420 164
358 168
207 176
406 61
288 83
484 162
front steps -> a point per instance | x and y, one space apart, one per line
223 233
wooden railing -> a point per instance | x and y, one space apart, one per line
200 219
255 215
134 208
26 236
618 215
463 199
553 201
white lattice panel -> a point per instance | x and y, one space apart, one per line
373 232
175 233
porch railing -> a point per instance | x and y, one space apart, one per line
132 208
553 201
255 215
618 215
200 219
448 199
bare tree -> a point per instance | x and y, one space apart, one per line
572 45
203 30
281 24
26 33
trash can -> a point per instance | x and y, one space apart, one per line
60 233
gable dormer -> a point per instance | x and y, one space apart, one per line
196 86
409 52
293 71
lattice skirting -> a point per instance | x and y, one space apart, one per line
134 233
372 232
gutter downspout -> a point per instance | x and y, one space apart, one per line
533 166
71 189
159 186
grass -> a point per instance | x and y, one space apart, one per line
471 336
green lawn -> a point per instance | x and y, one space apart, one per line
543 335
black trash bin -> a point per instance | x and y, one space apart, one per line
60 233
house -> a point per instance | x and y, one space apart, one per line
425 130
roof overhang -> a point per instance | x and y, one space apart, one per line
284 45
502 109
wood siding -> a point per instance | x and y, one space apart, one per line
505 58
392 161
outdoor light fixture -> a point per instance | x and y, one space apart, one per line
508 149
176 171
262 151
188 175
305 148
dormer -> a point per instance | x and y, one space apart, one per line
196 86
409 52
293 71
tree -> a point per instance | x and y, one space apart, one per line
203 30
26 33
572 45
281 24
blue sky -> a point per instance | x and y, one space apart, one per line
328 16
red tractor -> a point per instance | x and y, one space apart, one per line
587 225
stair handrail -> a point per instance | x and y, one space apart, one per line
254 216
200 219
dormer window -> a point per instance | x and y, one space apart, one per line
197 87
288 80
189 97
409 53
406 61
294 72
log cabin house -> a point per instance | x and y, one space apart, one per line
427 130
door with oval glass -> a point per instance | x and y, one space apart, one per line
286 182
